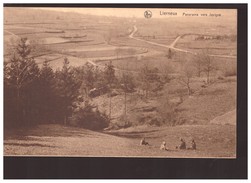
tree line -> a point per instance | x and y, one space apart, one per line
36 94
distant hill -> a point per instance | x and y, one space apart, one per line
31 15
15 15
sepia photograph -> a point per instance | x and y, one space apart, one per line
120 82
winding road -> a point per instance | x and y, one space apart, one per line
171 46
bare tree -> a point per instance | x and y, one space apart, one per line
170 54
109 76
166 69
166 109
150 80
186 75
109 35
198 64
207 64
127 84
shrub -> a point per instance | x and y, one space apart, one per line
90 117
123 122
156 121
166 111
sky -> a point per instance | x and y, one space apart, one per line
139 12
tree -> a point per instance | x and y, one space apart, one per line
20 79
109 35
166 110
150 80
109 78
170 54
186 75
88 116
67 87
165 71
46 92
203 62
86 75
207 64
198 64
127 85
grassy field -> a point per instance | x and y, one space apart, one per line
201 107
219 47
57 140
107 52
57 61
153 59
55 31
208 103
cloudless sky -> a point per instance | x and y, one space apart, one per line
139 12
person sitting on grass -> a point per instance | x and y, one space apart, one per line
182 144
163 146
144 142
193 145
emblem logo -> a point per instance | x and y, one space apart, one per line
148 14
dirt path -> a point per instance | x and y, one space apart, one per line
12 33
93 61
58 140
175 41
158 44
171 46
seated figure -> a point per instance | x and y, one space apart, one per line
144 142
182 144
163 146
193 145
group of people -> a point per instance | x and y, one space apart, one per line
182 144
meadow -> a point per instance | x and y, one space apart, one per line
56 140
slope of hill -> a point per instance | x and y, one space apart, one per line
208 103
204 105
59 140
228 118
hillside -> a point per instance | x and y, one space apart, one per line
208 103
228 118
58 140
204 105
90 39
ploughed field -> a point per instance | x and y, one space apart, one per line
57 140
83 40
57 40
